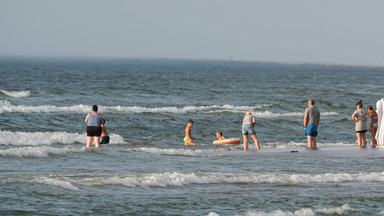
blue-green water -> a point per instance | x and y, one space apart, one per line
146 170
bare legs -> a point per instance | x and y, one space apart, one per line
245 141
311 141
255 139
361 140
90 139
190 142
373 134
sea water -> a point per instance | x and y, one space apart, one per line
146 169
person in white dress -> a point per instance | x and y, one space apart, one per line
380 130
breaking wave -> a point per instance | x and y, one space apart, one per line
172 179
55 182
49 138
341 210
16 94
8 107
40 151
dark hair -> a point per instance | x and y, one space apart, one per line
312 101
370 107
360 104
220 132
94 108
190 121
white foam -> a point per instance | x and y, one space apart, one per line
292 144
336 210
7 107
300 212
215 148
55 182
303 212
49 138
16 94
212 214
181 152
268 114
169 179
40 151
187 109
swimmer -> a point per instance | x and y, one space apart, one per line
373 126
104 134
219 135
188 139
360 119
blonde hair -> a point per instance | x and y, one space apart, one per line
248 113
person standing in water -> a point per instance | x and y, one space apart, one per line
311 123
360 119
188 139
94 122
104 134
248 128
380 115
373 125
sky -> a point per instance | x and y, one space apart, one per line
321 31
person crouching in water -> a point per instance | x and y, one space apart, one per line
248 128
104 134
94 122
311 122
360 119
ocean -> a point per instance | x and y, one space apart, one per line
146 169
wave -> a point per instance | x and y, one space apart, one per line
49 138
40 151
182 152
200 152
7 107
344 209
55 182
291 144
16 94
268 114
174 179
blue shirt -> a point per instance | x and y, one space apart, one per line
94 120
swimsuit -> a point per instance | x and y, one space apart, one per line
186 139
375 124
93 131
104 140
311 130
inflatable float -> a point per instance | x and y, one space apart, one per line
230 141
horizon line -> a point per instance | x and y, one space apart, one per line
229 60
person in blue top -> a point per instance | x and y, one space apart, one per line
94 121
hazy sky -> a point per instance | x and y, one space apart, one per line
326 31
